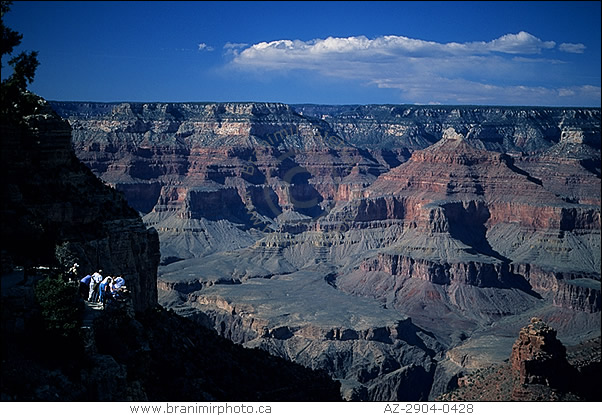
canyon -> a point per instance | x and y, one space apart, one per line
396 247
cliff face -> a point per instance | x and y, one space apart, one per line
53 205
298 318
461 219
503 129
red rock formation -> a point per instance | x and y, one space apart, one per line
259 160
538 356
455 189
454 170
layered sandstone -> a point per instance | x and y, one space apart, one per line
467 199
262 160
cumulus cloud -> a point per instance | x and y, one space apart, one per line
204 46
297 51
572 47
521 43
507 68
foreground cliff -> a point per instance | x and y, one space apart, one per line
55 212
395 247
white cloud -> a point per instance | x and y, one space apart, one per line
572 47
506 70
521 43
447 90
537 60
566 92
297 51
204 46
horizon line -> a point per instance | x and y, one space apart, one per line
320 104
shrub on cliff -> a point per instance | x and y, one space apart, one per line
60 307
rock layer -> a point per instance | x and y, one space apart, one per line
502 129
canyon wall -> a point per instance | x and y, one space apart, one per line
502 129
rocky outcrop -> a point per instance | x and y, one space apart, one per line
540 368
538 356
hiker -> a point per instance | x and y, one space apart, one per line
116 287
104 290
118 283
94 283
84 286
72 273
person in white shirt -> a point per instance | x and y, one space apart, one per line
96 279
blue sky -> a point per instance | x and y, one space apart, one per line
484 53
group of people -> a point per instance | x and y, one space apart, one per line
98 289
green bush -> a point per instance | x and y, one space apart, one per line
60 306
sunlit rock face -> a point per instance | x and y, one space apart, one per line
365 240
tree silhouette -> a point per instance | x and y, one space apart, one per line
15 101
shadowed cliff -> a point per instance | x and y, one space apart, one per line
55 212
